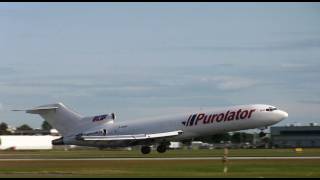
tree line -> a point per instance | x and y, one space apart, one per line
4 127
236 137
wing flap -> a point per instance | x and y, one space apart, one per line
131 137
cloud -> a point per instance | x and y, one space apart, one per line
310 102
301 67
294 65
168 85
229 82
273 46
7 70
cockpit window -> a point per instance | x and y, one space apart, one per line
271 109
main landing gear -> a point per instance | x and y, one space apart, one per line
147 149
162 148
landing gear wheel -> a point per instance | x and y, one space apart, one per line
161 148
146 149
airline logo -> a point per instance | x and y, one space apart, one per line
202 118
99 118
103 117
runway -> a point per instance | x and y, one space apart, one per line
156 159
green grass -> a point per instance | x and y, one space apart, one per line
150 168
162 168
95 153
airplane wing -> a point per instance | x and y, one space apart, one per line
132 136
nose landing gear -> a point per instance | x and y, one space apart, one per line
262 133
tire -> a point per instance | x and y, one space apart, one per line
145 149
161 148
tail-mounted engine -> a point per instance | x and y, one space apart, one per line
58 141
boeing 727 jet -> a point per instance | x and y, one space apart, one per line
104 131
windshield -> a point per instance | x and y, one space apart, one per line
271 109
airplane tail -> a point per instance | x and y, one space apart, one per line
59 117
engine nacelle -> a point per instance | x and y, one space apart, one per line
58 141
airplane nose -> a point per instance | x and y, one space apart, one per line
283 115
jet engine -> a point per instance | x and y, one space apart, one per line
58 141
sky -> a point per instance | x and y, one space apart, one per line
148 59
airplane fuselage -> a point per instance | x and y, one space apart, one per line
193 124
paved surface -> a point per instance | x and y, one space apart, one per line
157 159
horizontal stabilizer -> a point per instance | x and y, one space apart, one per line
37 110
131 137
59 117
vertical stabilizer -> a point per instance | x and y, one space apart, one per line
58 116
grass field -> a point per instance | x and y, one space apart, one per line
95 153
151 168
160 168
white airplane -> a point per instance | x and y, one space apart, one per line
103 131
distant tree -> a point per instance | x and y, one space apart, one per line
46 126
217 138
239 137
24 127
236 137
4 129
3 126
221 137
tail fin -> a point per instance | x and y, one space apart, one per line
58 116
